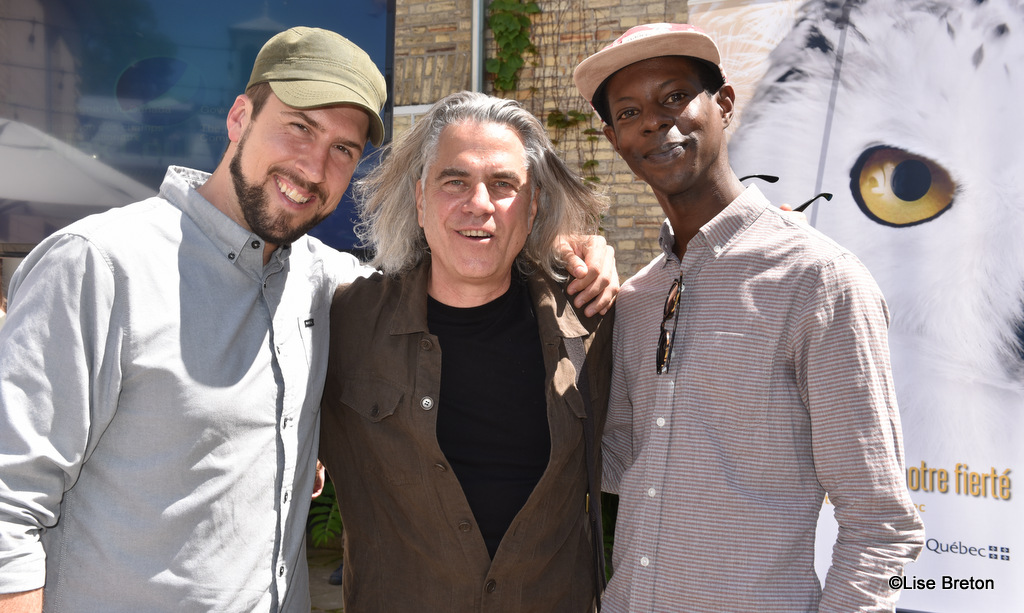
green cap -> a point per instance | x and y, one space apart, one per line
311 67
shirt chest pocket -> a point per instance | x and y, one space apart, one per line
728 380
312 329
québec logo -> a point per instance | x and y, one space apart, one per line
959 548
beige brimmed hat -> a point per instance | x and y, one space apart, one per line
310 67
642 43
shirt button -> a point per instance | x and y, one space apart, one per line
660 421
426 344
465 526
375 411
231 256
280 571
717 249
651 492
427 403
490 586
644 561
255 244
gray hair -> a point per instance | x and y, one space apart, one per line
386 196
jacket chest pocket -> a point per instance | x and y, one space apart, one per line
372 399
385 437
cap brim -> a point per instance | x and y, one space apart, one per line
311 94
593 71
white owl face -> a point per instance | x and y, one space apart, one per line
923 153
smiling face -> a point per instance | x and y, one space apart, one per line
476 207
667 128
291 166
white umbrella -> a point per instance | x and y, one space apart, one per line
45 184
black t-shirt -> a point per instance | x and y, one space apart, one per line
492 422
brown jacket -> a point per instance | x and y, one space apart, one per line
411 542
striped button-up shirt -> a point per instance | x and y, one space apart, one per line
778 391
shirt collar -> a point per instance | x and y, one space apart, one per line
555 315
237 244
411 312
724 227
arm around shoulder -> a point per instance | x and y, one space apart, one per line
591 260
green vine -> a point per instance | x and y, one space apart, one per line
561 121
510 22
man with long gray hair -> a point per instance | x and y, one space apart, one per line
464 392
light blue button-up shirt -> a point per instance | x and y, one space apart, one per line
159 409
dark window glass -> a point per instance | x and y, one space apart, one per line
97 98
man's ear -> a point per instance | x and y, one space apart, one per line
419 202
534 201
726 100
238 117
609 133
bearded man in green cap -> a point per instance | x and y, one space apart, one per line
162 363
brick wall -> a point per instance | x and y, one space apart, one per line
433 39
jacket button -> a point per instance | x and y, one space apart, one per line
375 411
465 526
426 344
439 467
427 403
490 586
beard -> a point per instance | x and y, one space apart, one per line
255 204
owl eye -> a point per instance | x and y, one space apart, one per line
897 188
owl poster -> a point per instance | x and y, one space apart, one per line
903 110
